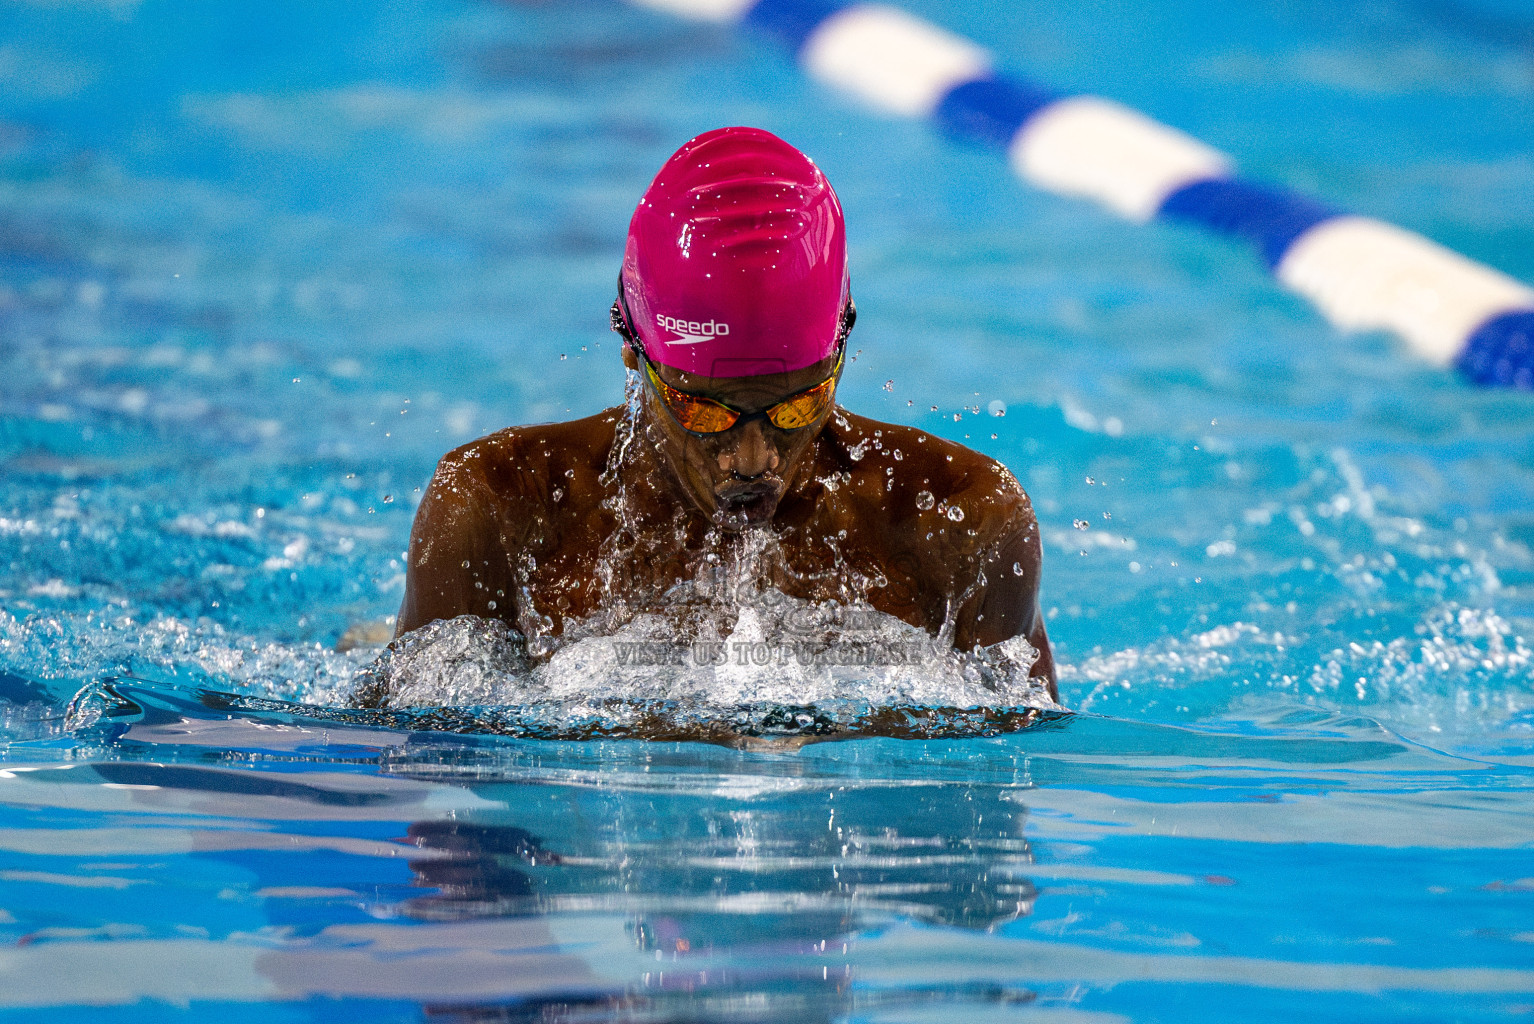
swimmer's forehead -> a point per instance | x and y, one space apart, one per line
749 393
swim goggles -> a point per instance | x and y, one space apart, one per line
699 414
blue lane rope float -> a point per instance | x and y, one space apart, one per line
1363 274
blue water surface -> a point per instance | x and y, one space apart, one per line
261 265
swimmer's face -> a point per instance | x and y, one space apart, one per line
736 477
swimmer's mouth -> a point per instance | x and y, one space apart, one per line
747 505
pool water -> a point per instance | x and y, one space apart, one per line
261 266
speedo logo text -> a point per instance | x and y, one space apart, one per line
692 332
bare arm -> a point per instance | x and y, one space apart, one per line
1006 601
456 564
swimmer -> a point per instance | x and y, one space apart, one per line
734 307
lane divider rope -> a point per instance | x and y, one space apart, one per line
1363 274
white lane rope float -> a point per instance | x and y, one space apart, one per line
1363 274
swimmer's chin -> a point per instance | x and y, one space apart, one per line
743 508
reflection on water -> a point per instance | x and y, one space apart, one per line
186 848
593 890
737 907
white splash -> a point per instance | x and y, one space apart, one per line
774 649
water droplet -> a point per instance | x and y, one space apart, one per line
925 500
934 408
889 385
997 408
1107 515
957 417
388 499
1081 524
956 513
1090 481
562 356
491 605
1017 568
899 455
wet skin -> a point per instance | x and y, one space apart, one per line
522 524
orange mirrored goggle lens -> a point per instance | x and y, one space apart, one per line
804 408
705 416
694 412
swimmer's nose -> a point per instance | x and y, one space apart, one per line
751 454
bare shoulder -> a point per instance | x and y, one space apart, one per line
488 500
920 480
527 463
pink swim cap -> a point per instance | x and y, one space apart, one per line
736 263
